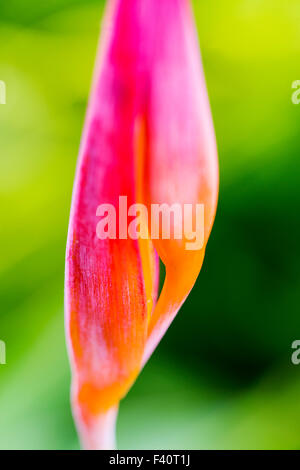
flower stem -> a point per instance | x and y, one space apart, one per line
100 432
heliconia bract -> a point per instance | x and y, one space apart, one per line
148 136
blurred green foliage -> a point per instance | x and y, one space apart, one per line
222 376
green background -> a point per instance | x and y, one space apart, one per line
222 376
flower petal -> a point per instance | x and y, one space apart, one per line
181 157
106 296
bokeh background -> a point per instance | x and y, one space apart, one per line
222 376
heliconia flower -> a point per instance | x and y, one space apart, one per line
148 136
